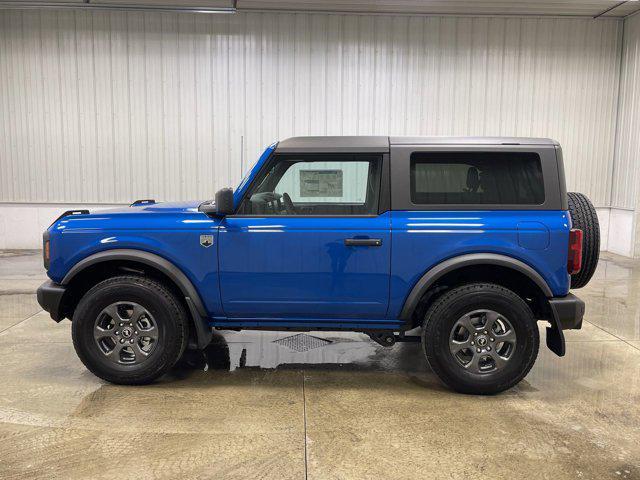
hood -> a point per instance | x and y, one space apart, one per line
190 206
166 216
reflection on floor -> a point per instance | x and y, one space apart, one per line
318 406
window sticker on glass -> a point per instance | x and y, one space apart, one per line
321 183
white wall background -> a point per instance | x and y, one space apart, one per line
102 107
626 180
106 107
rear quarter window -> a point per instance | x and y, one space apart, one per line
468 178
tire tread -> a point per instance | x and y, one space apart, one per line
169 354
584 217
435 312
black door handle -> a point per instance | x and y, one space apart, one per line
362 242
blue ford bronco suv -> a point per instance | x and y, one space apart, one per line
463 244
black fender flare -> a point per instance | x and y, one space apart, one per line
555 337
433 274
191 296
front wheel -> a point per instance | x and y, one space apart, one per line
129 330
480 338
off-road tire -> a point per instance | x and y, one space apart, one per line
167 311
441 317
584 217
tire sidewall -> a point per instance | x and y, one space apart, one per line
439 326
126 290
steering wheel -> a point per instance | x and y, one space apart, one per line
288 204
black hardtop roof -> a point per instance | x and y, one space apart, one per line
360 144
381 144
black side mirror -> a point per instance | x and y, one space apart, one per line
224 201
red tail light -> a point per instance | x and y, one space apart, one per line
574 261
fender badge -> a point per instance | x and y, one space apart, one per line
206 240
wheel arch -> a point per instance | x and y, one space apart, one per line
103 264
472 267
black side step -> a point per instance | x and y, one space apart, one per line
388 338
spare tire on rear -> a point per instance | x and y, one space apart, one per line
584 217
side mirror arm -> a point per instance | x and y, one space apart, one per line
208 207
222 205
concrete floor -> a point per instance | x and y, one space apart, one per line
317 410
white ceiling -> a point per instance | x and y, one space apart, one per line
454 7
590 8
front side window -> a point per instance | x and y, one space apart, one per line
467 178
317 185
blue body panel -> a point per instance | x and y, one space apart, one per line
296 271
421 240
297 267
170 230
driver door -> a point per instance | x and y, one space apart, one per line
308 242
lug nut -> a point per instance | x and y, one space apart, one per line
131 341
117 332
121 324
136 332
485 332
492 339
473 343
475 334
478 350
489 349
122 340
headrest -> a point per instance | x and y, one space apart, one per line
473 179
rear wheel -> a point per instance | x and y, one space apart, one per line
480 338
129 330
584 217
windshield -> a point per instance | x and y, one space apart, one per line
244 179
252 172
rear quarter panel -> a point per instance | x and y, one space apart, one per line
423 239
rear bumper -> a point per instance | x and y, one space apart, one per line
567 311
50 298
